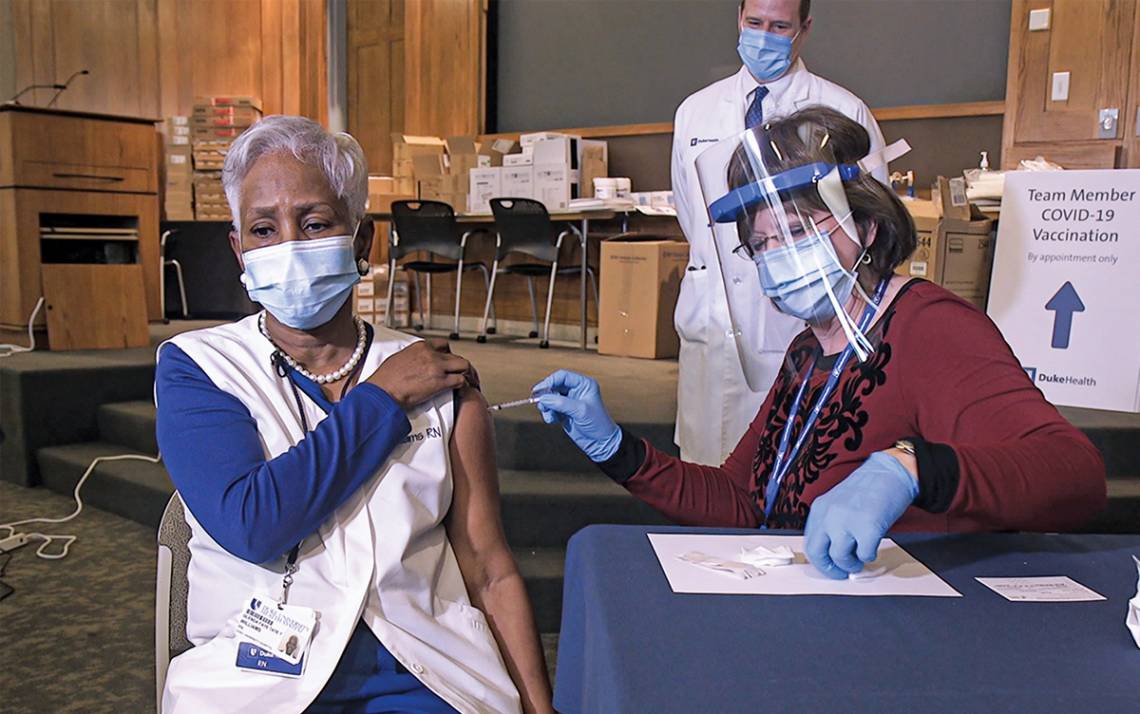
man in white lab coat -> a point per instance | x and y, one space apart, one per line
714 402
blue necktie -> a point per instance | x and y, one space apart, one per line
754 117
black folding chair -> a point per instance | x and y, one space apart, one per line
524 226
430 227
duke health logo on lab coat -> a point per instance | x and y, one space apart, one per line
1064 288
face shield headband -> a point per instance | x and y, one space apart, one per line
810 266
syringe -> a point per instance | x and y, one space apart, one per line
533 398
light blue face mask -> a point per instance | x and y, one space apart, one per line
766 54
302 283
795 277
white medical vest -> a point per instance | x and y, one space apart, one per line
382 557
714 402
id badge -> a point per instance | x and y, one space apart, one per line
283 631
251 658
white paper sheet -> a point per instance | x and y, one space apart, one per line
1041 589
902 574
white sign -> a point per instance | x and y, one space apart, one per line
1047 589
1065 291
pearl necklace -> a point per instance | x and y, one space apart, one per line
344 371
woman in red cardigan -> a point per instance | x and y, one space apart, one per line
900 406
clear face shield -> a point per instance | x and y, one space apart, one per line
779 214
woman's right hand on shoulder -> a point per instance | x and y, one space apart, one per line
422 370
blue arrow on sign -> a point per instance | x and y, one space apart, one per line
1063 305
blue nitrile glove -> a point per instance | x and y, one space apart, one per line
576 402
846 524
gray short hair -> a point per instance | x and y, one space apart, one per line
339 156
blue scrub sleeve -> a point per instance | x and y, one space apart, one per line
258 508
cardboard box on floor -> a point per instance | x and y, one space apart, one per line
955 253
640 278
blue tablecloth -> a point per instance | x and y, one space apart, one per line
629 644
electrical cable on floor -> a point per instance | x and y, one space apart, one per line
67 540
9 350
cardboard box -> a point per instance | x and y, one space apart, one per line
465 153
406 147
246 113
526 158
949 197
228 100
216 133
920 264
370 297
967 257
553 186
178 213
956 254
593 162
518 181
381 184
500 149
534 137
640 279
484 184
557 150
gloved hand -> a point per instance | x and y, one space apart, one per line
846 524
576 402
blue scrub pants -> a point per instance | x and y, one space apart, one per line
369 680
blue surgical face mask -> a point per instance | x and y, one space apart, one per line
766 54
302 283
795 277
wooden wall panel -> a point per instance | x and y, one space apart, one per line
376 77
1131 118
152 57
445 69
1090 39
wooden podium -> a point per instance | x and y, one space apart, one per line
79 201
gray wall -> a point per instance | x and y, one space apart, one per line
565 63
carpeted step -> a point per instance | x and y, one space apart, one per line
1122 514
542 570
525 443
1116 434
130 424
542 509
133 489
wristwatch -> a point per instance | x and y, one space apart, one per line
906 446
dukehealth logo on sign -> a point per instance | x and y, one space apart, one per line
1064 290
1048 378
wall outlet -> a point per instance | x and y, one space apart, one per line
1060 91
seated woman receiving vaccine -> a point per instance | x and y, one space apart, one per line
347 552
899 407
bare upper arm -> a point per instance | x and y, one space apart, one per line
474 525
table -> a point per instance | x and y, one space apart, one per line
583 218
628 644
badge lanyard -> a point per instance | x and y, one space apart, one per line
282 368
783 460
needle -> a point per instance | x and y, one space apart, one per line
532 399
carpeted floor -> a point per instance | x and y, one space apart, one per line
77 635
